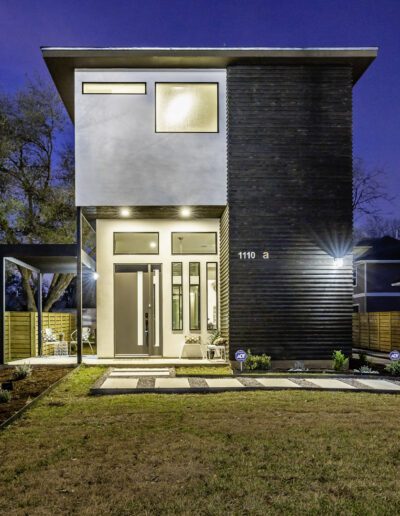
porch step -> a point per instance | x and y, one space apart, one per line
136 372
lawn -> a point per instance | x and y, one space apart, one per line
252 453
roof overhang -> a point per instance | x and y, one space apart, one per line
62 62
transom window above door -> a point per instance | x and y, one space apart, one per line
194 243
186 107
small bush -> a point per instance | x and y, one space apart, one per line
340 362
393 368
253 362
365 370
5 396
22 371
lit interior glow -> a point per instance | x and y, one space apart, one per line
185 212
153 245
338 262
186 107
125 212
114 88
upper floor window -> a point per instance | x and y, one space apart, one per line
194 243
136 243
186 107
114 88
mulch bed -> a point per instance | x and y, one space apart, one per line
29 388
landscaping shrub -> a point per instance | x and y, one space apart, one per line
253 362
366 370
340 362
5 396
22 371
393 368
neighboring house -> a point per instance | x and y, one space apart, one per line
376 275
219 183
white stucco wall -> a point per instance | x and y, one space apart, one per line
121 160
172 340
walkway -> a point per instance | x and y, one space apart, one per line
162 380
94 360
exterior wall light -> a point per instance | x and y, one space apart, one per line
338 262
95 276
125 212
185 212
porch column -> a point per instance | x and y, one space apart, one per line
79 285
2 309
39 312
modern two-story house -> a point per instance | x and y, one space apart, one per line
219 184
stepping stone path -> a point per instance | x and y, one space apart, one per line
163 380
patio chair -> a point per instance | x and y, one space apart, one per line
85 338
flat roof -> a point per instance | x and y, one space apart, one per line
62 61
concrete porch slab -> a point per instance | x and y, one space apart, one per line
223 383
329 383
172 383
380 385
278 383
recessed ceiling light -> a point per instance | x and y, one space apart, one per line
125 212
185 212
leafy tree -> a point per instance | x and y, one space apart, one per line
36 176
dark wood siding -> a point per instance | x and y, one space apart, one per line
289 193
224 273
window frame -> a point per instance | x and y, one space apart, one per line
197 233
217 294
199 300
136 232
181 297
183 83
113 82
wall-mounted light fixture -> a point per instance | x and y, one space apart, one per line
95 276
338 262
124 212
185 212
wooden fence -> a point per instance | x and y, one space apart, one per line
379 331
21 331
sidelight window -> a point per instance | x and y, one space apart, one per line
212 296
177 296
194 295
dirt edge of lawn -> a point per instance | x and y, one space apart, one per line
30 404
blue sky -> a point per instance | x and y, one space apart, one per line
25 25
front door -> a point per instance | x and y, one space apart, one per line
137 295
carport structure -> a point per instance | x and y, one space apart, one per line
43 259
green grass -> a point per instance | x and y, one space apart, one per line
251 453
223 370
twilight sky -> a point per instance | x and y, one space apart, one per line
25 25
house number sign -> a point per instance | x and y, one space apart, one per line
253 255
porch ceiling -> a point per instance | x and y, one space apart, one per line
92 213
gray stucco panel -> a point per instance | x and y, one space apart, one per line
121 160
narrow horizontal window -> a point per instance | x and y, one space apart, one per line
135 243
194 243
114 88
185 107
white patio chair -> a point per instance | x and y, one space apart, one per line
85 338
